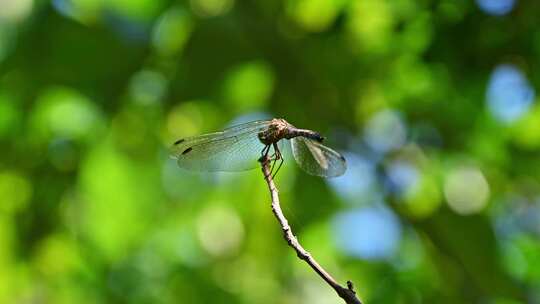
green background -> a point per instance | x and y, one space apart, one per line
432 103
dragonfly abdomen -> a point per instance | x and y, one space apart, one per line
305 133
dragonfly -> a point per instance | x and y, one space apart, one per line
241 147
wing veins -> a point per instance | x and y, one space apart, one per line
215 137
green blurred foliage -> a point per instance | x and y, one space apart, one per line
93 92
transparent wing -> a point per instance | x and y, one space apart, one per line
182 144
234 149
316 158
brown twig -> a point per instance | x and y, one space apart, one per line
347 294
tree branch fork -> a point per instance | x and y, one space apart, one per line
346 293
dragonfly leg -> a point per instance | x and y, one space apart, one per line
273 157
273 160
277 156
264 153
277 152
281 160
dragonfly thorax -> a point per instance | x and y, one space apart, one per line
277 130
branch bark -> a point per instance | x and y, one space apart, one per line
347 294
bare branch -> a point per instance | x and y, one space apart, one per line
347 294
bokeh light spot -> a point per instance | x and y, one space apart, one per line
424 197
57 256
148 87
418 33
220 231
15 10
370 25
385 131
171 31
249 86
65 112
211 8
509 94
526 131
358 182
401 176
117 195
466 190
314 15
496 7
370 233
411 78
